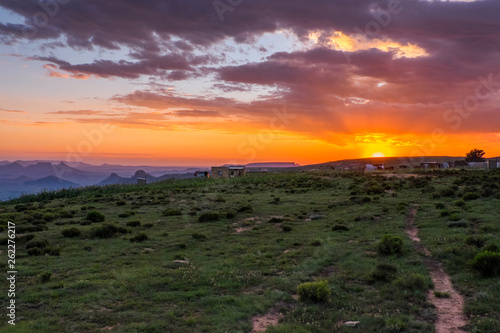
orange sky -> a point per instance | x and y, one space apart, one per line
247 91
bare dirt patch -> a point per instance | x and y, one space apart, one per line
241 229
261 323
450 316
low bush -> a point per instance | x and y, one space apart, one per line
48 217
71 232
469 196
121 203
126 214
245 209
447 192
440 206
383 272
275 220
35 251
460 203
390 244
487 263
477 241
44 277
95 216
107 230
413 281
133 224
139 237
199 237
209 217
286 228
39 243
458 224
340 227
314 291
172 212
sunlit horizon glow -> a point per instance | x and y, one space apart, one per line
176 85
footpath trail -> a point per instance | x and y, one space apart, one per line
450 316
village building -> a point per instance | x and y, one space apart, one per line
229 171
374 167
201 174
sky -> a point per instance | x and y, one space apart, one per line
204 83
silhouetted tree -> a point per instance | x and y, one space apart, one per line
475 155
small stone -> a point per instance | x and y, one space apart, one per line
351 323
181 261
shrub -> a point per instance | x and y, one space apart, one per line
95 216
139 237
447 192
477 241
172 212
457 224
487 263
35 251
390 244
230 214
445 213
220 199
121 203
275 220
455 217
133 224
53 251
148 225
340 227
245 209
198 236
316 242
26 237
107 230
71 232
209 217
286 228
126 214
314 291
412 281
48 217
460 203
39 243
374 190
440 206
44 277
469 196
383 272
492 248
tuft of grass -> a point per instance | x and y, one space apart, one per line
441 294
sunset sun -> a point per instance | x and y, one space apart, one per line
378 154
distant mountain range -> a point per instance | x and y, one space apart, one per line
26 177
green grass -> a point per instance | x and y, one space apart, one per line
162 272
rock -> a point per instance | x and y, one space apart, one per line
351 323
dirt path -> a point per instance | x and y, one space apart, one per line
450 315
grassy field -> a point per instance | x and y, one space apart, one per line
206 255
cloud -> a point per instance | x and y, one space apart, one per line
76 112
12 111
